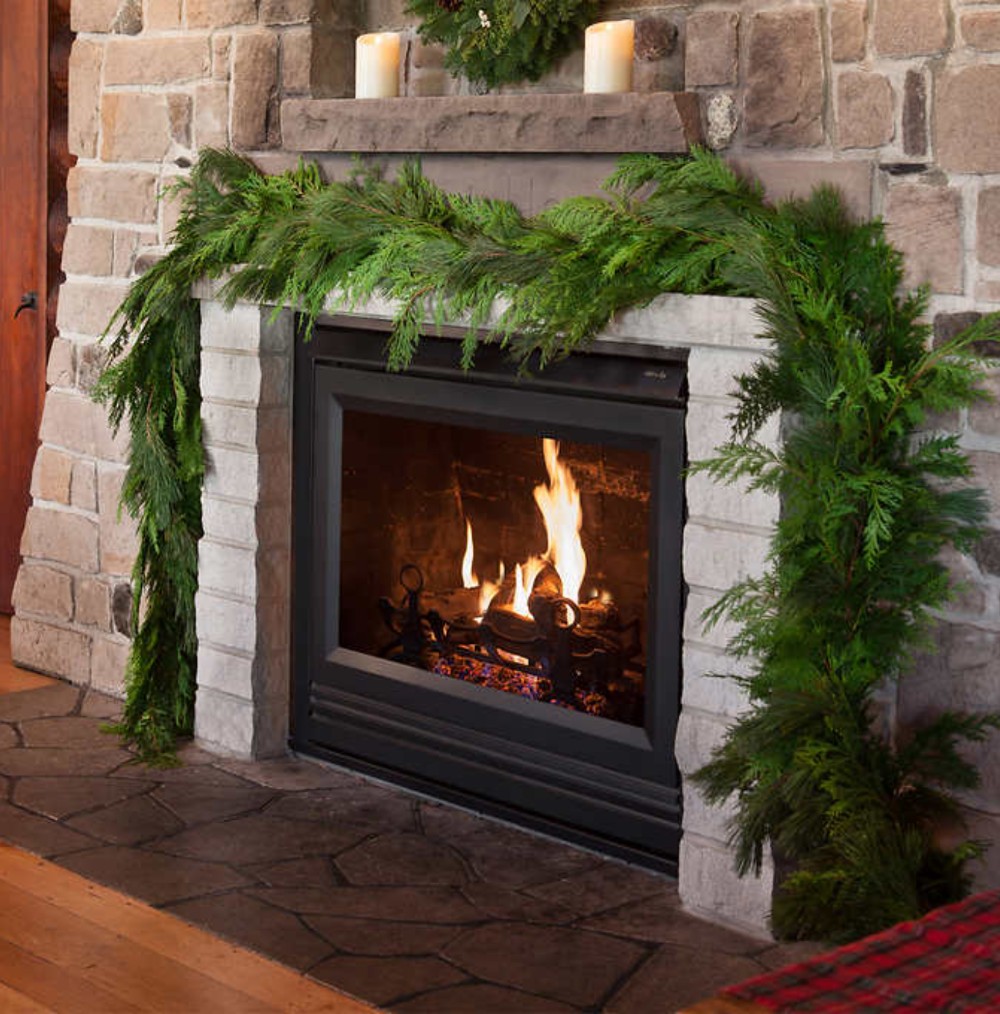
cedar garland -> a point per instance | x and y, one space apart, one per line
867 501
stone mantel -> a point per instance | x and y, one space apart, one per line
659 122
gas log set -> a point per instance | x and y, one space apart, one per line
529 632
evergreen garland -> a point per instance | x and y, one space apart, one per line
496 42
867 504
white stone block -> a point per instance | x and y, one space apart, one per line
231 377
225 623
707 685
229 521
709 425
716 501
716 557
704 819
224 724
695 629
226 672
710 887
680 321
698 734
233 474
713 371
227 425
238 328
228 569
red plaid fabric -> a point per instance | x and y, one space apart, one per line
946 963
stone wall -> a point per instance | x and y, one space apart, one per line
892 100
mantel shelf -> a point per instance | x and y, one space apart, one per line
660 122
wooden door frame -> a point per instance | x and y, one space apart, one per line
52 51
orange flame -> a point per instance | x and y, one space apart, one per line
524 581
469 579
559 503
489 590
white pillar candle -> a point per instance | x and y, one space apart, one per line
607 65
377 66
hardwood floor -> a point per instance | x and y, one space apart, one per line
11 678
67 944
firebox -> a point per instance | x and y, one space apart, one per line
488 591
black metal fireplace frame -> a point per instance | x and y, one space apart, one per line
599 783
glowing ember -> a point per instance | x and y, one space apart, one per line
559 503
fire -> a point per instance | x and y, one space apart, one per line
524 581
489 590
469 578
559 504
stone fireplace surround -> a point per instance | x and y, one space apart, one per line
243 605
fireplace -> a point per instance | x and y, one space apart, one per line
245 574
488 584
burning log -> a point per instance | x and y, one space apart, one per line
546 598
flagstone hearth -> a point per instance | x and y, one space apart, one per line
407 903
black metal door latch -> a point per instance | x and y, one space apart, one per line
29 301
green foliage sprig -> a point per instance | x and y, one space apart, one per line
867 502
496 42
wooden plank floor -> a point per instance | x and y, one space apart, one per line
67 944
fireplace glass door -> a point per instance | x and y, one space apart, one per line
488 585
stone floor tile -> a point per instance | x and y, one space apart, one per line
312 872
71 731
355 801
661 920
21 762
513 858
190 774
547 960
8 737
503 903
251 923
59 699
98 705
152 876
393 904
481 998
289 774
375 937
191 755
128 822
383 980
607 886
40 835
400 859
62 797
260 839
675 978
196 803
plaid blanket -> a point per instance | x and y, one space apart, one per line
946 963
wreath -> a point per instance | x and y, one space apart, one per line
496 42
